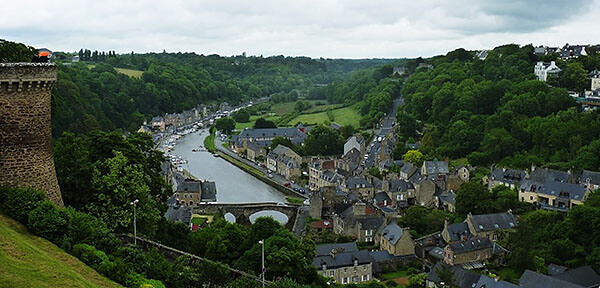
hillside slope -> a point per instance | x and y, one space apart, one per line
30 261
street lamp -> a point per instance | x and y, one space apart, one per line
134 224
263 269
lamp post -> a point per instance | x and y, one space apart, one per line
134 224
263 269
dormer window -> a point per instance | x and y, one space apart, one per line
355 262
324 266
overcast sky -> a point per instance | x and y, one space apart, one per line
314 28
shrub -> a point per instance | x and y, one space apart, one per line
47 221
18 202
135 280
89 255
87 229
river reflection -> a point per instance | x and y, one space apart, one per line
233 184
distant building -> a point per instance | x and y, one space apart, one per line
542 70
158 123
396 240
284 161
192 192
344 263
595 79
357 142
473 251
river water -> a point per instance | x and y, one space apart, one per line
233 184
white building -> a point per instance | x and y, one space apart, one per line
543 70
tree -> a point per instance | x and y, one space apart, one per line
574 77
241 116
473 197
225 125
414 157
417 280
323 140
15 52
262 123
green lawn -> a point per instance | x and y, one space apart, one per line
130 72
294 200
507 274
288 107
343 116
30 261
198 220
209 142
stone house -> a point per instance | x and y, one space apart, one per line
284 161
552 195
316 169
366 229
434 168
255 152
492 226
456 232
192 192
424 192
396 240
507 177
447 201
590 179
474 250
345 222
360 186
344 263
350 161
401 192
158 123
407 170
329 178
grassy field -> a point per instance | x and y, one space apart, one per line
288 107
209 142
343 116
30 261
130 72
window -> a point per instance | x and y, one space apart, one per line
345 270
355 279
355 262
365 268
331 273
369 239
365 277
530 197
345 280
369 232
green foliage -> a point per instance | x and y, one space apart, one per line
262 123
417 280
15 52
89 255
414 156
323 140
302 106
47 221
424 221
18 202
374 171
473 197
241 116
225 125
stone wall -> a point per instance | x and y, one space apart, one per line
25 135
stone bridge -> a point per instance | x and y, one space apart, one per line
242 211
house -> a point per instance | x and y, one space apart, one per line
350 161
584 276
543 71
316 169
425 190
145 129
335 126
344 263
488 282
346 221
266 135
357 142
401 192
552 195
462 278
482 54
407 170
492 226
590 180
382 199
573 51
447 201
531 279
456 232
507 177
255 152
472 253
399 71
595 79
177 212
434 168
284 161
322 225
158 123
427 243
359 186
366 229
396 240
191 192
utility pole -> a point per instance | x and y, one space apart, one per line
134 224
263 269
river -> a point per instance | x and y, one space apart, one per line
233 184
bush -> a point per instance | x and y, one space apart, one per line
86 229
18 202
89 255
135 280
47 221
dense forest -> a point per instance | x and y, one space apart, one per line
93 95
494 111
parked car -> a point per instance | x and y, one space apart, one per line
287 184
270 175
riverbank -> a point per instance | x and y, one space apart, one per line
209 141
291 196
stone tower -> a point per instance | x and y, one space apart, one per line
25 138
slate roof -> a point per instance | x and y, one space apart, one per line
470 245
371 223
584 276
544 174
437 252
593 176
325 249
392 232
457 230
400 185
408 168
491 222
555 188
176 213
295 134
189 186
531 279
381 197
343 259
209 191
357 182
448 197
436 167
487 282
464 278
511 176
381 255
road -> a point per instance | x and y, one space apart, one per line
374 148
